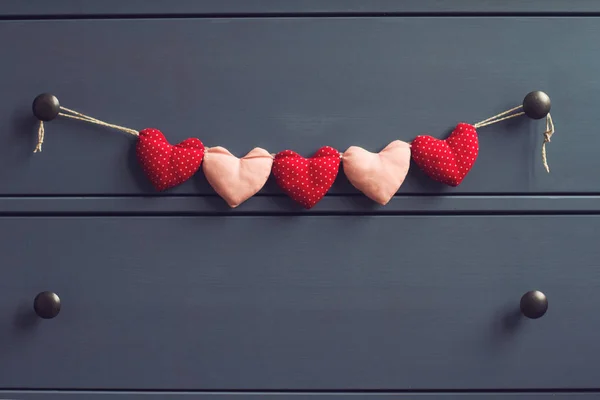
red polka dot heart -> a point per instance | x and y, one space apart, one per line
168 165
306 180
449 160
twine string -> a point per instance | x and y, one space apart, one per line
500 117
547 136
516 112
72 114
38 147
82 117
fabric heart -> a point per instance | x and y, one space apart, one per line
165 164
306 180
236 179
447 161
377 175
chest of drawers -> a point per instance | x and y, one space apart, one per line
175 296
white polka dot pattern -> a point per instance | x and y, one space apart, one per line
447 161
306 180
165 164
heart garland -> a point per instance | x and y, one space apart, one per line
307 180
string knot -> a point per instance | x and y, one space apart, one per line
547 136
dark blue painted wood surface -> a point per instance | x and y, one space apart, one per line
313 303
299 83
327 302
81 395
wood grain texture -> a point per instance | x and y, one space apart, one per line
61 8
83 395
278 205
299 83
312 303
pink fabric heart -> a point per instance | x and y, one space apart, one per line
377 175
236 179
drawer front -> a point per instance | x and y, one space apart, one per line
313 303
298 83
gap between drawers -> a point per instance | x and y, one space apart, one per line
299 15
306 392
282 205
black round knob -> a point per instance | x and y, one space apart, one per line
536 104
46 107
534 304
46 305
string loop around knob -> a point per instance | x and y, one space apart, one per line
46 107
536 105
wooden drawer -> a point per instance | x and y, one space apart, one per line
298 83
312 303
